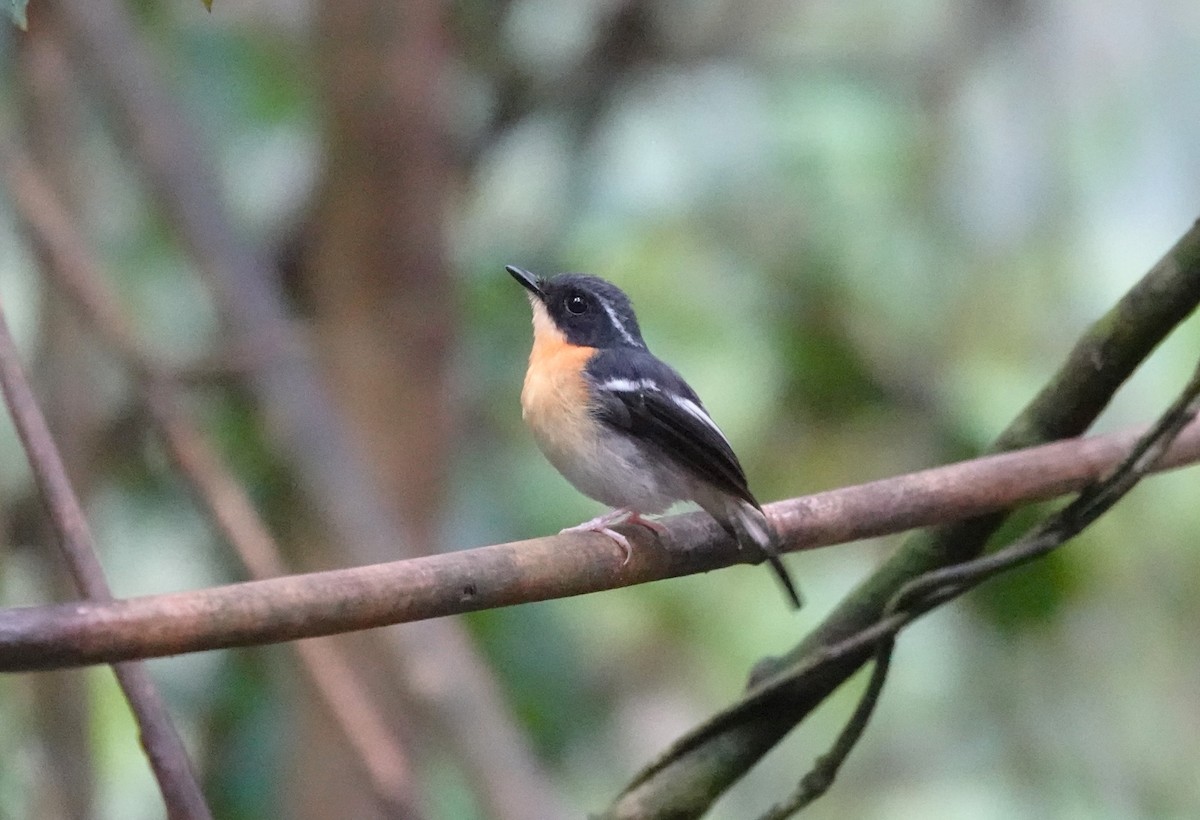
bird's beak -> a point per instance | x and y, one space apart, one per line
531 282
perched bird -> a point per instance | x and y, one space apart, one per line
623 426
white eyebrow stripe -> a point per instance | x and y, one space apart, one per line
618 324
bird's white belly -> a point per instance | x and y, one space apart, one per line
615 471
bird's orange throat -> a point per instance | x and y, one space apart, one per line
554 400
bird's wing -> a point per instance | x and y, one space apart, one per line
643 396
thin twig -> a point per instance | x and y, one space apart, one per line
164 748
820 778
940 586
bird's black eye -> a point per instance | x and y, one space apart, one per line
576 304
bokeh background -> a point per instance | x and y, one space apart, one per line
866 232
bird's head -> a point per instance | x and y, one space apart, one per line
584 310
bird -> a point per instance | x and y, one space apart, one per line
623 426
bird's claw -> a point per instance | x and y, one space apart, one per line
601 524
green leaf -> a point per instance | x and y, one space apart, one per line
207 4
16 10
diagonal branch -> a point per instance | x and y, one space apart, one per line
164 748
71 269
335 680
323 603
699 767
941 586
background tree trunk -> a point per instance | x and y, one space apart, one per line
373 271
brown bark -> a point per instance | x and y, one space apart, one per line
383 297
301 606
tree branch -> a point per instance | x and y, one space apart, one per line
164 748
323 603
940 586
699 767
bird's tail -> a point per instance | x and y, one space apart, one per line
749 525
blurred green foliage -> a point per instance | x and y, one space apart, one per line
866 233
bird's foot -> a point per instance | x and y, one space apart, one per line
603 524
